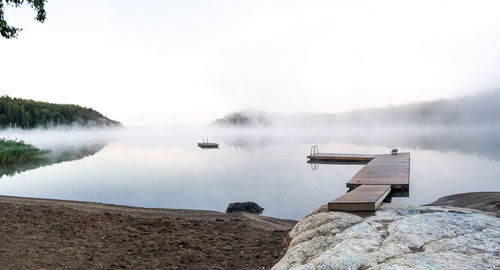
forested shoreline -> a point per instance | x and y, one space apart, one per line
27 113
479 109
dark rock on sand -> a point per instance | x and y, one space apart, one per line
249 207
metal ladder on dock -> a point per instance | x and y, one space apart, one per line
314 150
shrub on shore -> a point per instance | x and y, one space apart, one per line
17 151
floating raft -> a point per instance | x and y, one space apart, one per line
208 145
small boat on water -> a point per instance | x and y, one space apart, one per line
206 144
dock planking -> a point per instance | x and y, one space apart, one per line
340 157
338 162
381 175
363 198
391 170
398 158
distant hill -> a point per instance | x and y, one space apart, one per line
479 109
27 113
244 119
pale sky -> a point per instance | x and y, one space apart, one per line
189 62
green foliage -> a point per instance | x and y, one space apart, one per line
18 151
7 31
26 113
54 157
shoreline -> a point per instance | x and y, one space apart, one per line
483 201
61 234
400 236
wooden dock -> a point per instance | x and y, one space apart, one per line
363 198
373 183
388 169
338 162
340 157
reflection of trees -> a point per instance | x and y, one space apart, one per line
482 142
472 140
477 144
249 143
469 140
55 156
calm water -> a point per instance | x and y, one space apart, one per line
163 167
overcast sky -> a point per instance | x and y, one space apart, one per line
189 62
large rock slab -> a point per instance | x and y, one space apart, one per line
395 237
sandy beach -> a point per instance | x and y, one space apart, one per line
58 234
55 234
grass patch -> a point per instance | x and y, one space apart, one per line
17 151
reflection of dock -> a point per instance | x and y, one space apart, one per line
383 176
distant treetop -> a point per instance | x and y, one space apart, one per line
7 31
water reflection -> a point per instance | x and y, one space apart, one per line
482 141
205 147
61 154
208 147
479 141
154 167
249 142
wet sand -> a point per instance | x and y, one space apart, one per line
55 234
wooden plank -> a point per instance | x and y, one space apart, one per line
400 187
381 174
337 162
363 198
384 170
401 157
341 157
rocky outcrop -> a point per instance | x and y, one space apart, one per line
484 201
395 237
249 207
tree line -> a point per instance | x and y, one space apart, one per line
27 113
479 109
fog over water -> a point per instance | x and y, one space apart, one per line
281 76
480 109
191 63
163 167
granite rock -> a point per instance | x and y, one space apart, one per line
395 237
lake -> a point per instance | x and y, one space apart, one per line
163 167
